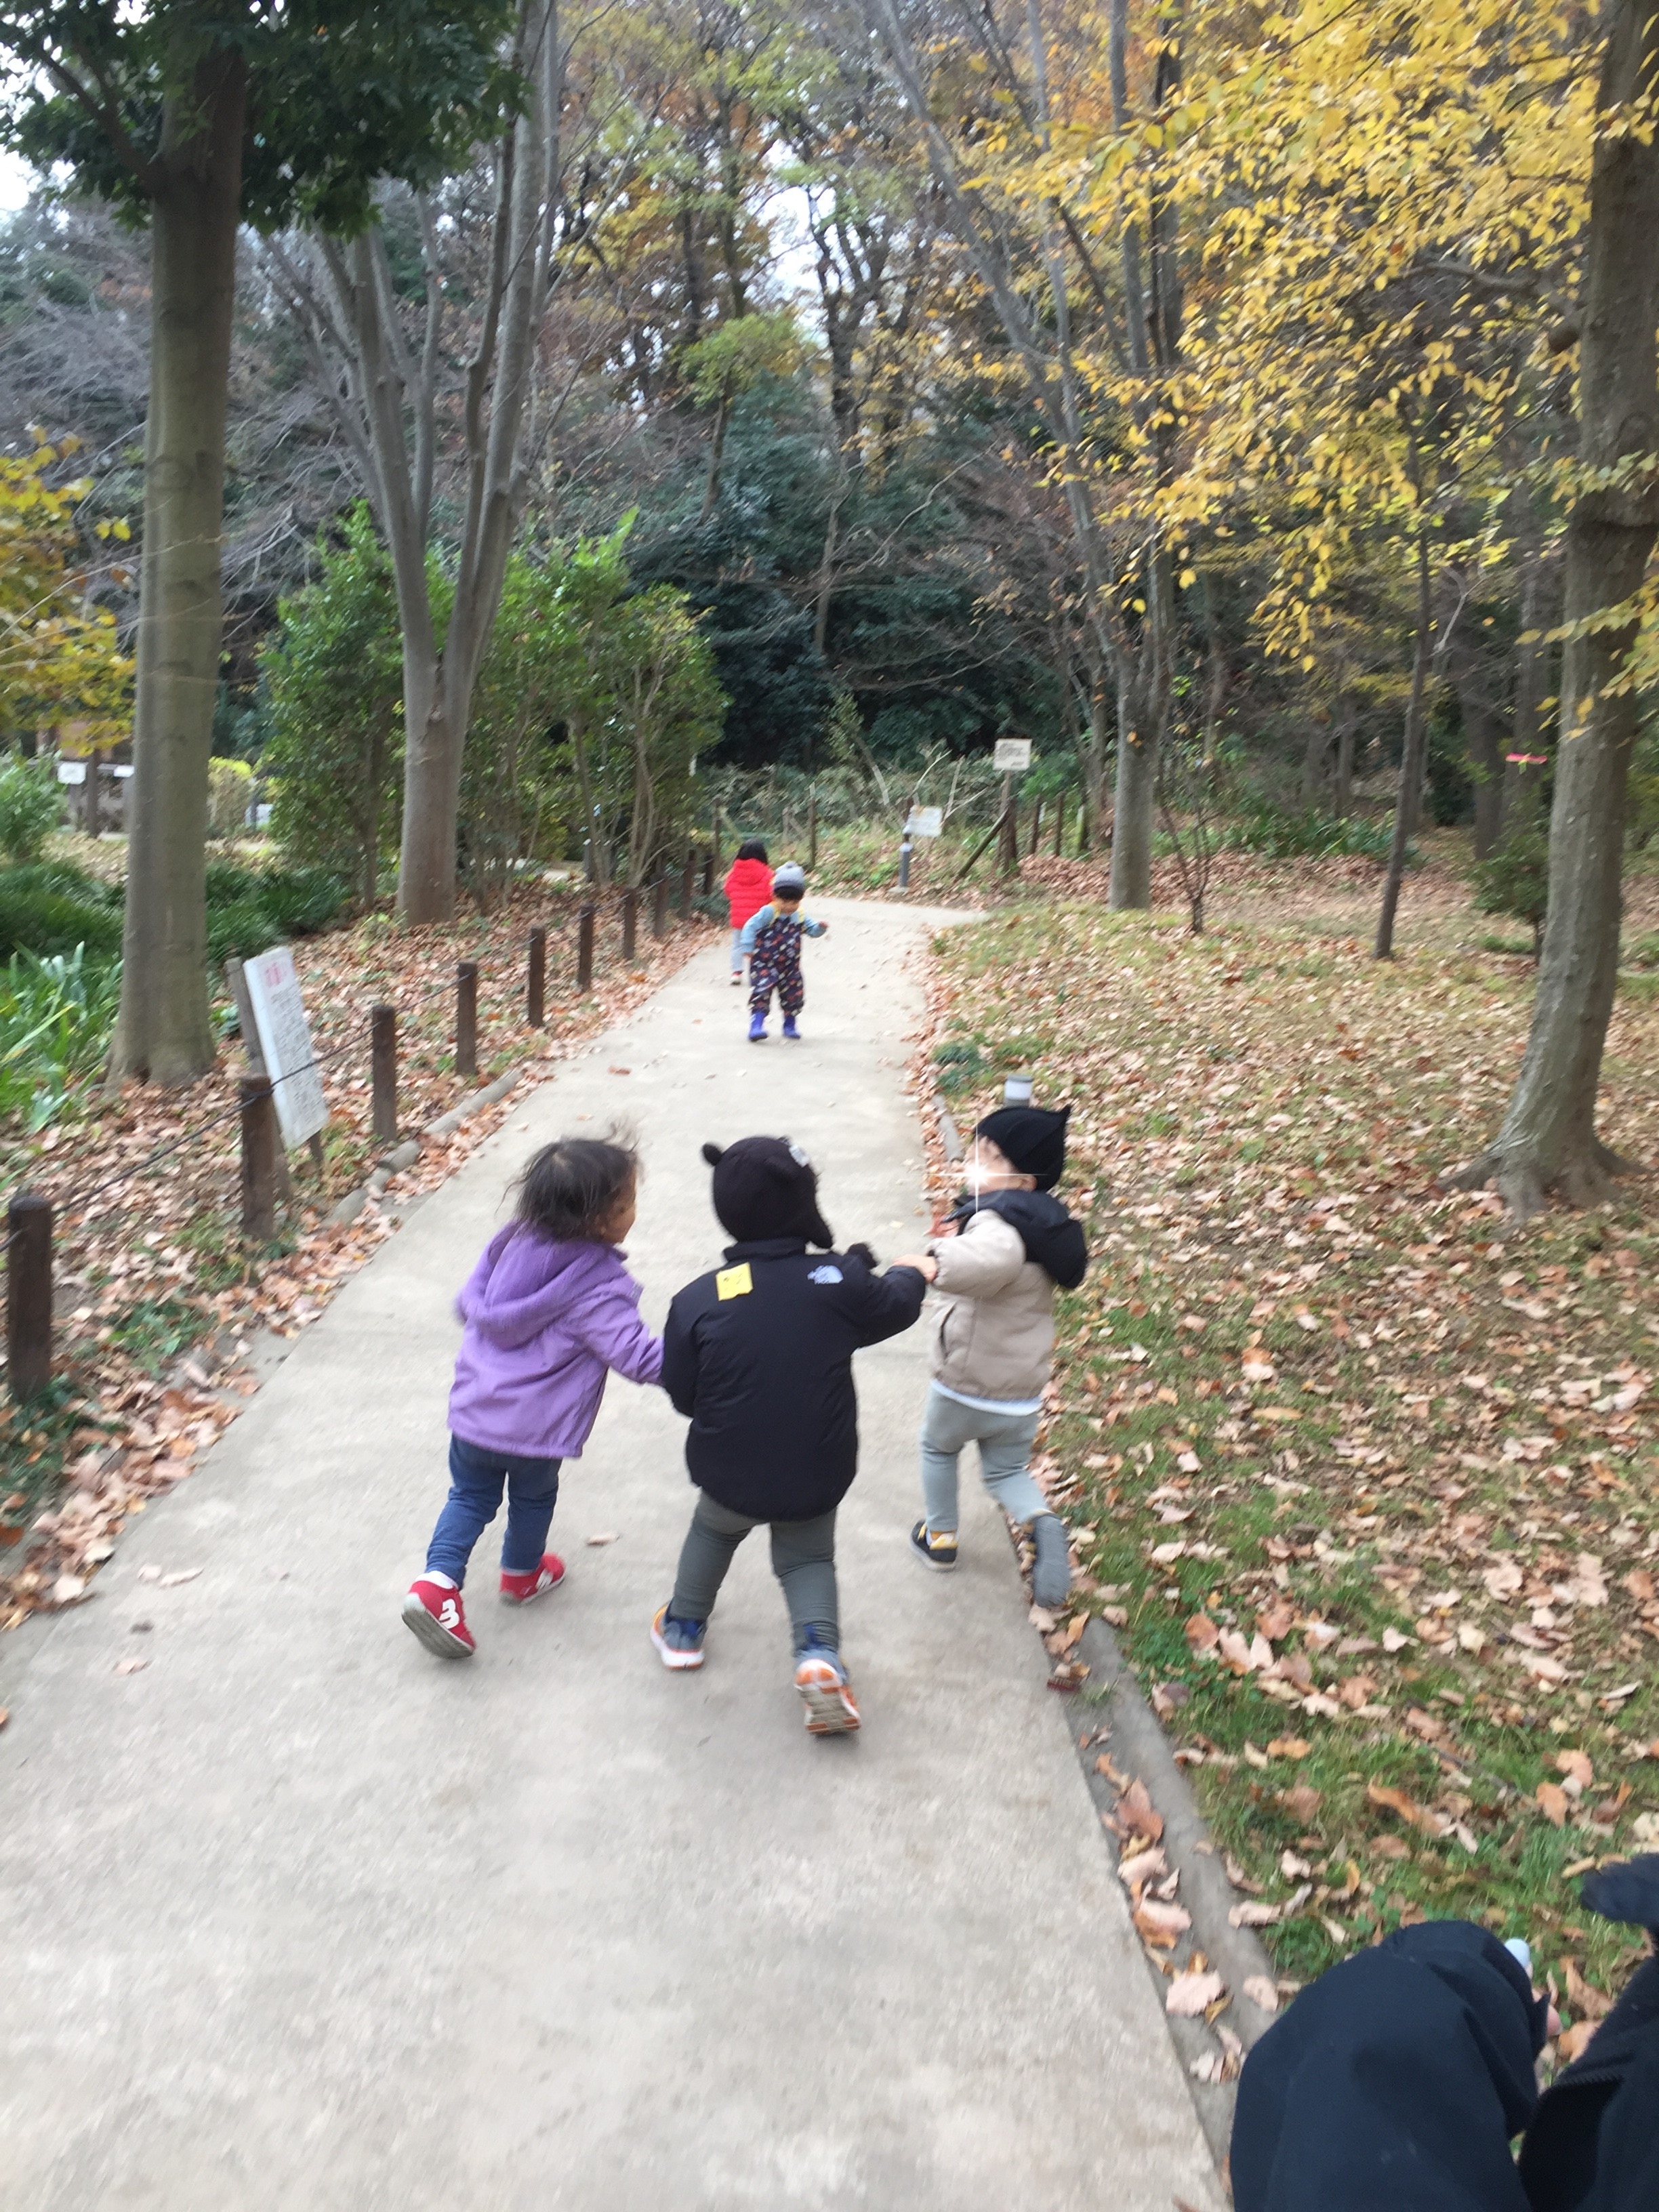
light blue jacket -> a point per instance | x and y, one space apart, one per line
759 919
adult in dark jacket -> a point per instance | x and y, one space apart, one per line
758 1353
1401 2077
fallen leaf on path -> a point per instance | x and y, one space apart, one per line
1191 1995
1142 1867
1552 1803
1289 1746
609 1536
130 1666
179 1574
1260 1991
1161 1925
1304 1801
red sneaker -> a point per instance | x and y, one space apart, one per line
433 1611
519 1589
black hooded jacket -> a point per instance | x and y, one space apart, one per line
1593 2146
759 1353
1394 2083
1050 1235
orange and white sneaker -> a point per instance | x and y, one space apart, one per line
432 1610
825 1690
519 1589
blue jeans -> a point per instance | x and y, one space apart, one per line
477 1476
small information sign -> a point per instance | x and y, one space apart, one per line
279 1016
925 822
1012 756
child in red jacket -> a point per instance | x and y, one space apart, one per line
747 887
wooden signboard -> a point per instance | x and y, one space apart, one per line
285 1046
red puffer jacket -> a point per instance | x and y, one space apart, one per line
747 887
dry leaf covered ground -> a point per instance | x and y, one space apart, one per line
151 1265
1367 1491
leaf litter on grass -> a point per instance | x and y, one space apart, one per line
1372 1484
151 1269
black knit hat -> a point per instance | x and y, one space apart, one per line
1031 1140
767 1187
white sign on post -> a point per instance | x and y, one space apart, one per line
1012 756
279 1016
925 822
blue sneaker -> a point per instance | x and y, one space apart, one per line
756 1029
679 1643
825 1690
789 1029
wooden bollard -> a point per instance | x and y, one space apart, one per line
259 1159
585 949
1037 827
383 1071
1060 825
28 1295
467 1017
630 917
659 908
812 829
535 996
707 879
688 885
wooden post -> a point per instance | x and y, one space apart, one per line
259 1159
812 826
28 1296
585 949
535 995
383 1071
708 877
1009 827
467 1017
659 908
90 795
713 847
1060 825
1037 827
253 1053
688 885
630 920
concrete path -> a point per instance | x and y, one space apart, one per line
299 1916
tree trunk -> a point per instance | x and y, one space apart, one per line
1411 756
1314 753
1548 1140
163 1033
1521 768
1132 803
1342 795
1484 742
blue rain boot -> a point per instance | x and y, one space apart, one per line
789 1029
757 1028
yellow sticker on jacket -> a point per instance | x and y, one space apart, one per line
734 1282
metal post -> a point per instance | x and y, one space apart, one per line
383 1069
585 949
28 1295
630 920
659 908
904 864
535 996
688 885
467 1017
813 827
259 1159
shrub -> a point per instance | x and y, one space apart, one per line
31 808
38 916
56 1016
230 786
1515 879
1278 836
249 908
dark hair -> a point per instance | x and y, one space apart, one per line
752 850
572 1187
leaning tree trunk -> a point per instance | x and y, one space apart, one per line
163 1034
1548 1140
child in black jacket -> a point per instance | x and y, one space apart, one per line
759 1353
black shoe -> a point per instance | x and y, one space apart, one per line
937 1551
1051 1561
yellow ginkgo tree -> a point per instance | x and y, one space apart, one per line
61 661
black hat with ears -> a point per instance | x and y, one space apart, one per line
1031 1138
767 1187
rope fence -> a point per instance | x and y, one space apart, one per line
31 1216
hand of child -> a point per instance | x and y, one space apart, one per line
925 1266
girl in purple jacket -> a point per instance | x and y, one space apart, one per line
549 1310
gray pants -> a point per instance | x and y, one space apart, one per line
803 1559
1004 1441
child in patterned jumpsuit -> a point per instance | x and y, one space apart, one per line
771 938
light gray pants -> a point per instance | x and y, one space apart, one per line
1004 1441
803 1559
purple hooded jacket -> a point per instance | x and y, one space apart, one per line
545 1322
